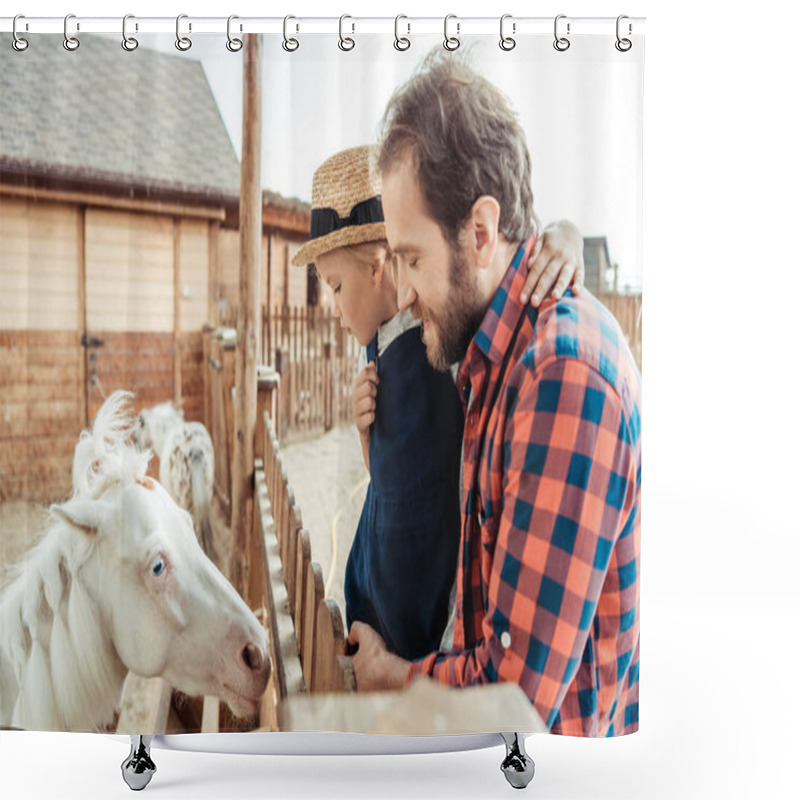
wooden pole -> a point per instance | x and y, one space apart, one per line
83 330
250 229
177 385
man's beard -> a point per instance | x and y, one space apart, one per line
451 329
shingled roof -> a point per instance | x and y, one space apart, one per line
146 120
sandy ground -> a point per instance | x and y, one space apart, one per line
329 480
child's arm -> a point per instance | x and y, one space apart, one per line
557 258
364 394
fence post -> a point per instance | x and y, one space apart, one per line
301 575
266 403
329 645
315 592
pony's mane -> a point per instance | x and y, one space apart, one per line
105 455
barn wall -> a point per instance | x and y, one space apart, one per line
193 275
129 274
49 382
228 268
41 402
287 285
38 266
192 375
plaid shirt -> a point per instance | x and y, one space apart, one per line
548 574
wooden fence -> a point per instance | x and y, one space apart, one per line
306 630
627 308
318 363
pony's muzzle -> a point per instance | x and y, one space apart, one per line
256 662
253 658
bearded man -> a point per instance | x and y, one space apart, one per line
547 591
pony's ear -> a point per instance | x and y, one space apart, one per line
84 514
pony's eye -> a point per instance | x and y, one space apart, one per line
158 567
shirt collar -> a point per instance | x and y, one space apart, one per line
505 309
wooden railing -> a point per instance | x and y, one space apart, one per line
307 638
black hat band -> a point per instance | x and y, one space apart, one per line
327 220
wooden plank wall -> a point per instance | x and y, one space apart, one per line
137 362
41 413
41 381
277 251
66 270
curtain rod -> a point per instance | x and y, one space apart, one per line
407 25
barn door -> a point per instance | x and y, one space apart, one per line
130 319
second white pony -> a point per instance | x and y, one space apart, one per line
186 470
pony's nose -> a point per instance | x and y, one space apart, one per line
253 657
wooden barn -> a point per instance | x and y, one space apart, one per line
118 243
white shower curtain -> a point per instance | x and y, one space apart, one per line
120 261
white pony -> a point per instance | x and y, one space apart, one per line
118 582
186 469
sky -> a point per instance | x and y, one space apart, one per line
581 112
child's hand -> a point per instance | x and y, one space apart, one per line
364 394
558 254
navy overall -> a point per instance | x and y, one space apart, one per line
403 560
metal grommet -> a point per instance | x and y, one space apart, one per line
561 43
183 43
18 43
70 42
233 44
506 42
451 42
345 42
623 45
289 45
401 43
129 43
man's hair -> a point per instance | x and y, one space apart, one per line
465 141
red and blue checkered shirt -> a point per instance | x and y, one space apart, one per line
548 574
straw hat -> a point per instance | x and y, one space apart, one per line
345 205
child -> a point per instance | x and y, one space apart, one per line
410 419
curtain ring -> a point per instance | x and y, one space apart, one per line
70 42
401 43
233 44
506 42
128 42
183 43
289 45
623 45
345 43
561 43
19 44
451 42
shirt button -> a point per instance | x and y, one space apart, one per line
505 640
